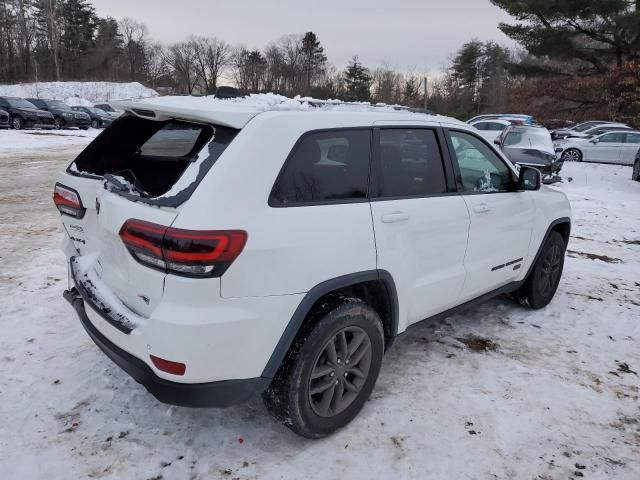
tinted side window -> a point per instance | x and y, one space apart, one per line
411 164
612 138
330 166
482 171
633 138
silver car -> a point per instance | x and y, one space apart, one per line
611 147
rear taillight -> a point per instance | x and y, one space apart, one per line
68 201
192 253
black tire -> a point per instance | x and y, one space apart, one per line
636 171
290 397
84 128
17 123
95 124
57 123
542 283
571 155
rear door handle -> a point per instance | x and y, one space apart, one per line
482 208
395 217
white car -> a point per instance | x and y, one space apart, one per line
491 129
618 146
224 249
578 129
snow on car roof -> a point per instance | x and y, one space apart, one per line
236 112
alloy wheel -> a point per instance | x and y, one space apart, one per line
571 155
551 269
636 171
340 371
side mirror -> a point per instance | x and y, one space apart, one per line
595 140
497 141
529 179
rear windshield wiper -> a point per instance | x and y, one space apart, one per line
122 186
115 182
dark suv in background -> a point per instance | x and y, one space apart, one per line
99 118
63 116
4 119
24 114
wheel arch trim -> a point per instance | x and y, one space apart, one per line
317 292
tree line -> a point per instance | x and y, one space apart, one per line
573 60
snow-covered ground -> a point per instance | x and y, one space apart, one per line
498 392
36 140
79 93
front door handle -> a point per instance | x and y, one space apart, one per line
482 208
395 217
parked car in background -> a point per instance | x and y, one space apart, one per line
582 127
99 118
491 129
636 168
530 145
513 117
64 116
23 114
4 119
105 107
597 130
556 124
205 291
619 146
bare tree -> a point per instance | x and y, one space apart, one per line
212 56
50 11
156 66
134 36
182 62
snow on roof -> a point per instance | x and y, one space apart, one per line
236 112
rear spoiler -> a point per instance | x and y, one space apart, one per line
197 109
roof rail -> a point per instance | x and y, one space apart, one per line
402 108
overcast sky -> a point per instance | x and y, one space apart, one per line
420 34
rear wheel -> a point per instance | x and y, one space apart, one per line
636 171
540 288
330 371
17 123
572 155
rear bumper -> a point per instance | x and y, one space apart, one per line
214 394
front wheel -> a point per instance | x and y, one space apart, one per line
57 123
572 155
330 371
541 285
95 124
17 123
636 171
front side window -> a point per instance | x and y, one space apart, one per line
331 166
411 164
482 171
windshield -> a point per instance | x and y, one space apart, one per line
535 138
58 104
105 108
20 103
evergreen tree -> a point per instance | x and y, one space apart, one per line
79 23
357 81
313 58
600 33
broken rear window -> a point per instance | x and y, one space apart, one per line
146 158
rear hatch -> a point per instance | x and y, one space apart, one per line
136 169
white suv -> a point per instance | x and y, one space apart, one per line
220 249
